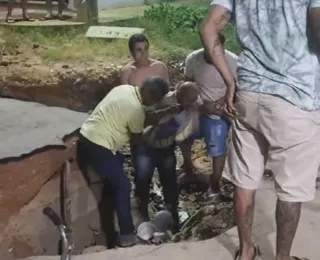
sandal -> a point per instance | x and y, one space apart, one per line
209 197
256 255
62 17
297 258
46 18
10 20
28 19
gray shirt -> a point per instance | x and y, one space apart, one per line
276 59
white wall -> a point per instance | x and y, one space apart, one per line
105 4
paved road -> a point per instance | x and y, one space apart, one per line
223 246
27 126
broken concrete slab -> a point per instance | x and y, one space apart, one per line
39 23
112 32
31 228
223 246
28 126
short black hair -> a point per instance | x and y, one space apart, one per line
156 86
135 38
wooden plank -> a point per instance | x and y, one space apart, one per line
112 32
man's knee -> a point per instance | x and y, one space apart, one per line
143 168
169 162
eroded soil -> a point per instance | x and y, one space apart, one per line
21 180
75 85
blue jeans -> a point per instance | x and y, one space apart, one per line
110 168
215 133
145 160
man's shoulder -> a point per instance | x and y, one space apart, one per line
128 67
195 54
124 88
158 64
194 58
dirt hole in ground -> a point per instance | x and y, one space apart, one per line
31 184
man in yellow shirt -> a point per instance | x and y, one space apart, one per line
118 119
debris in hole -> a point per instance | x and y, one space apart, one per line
146 231
163 221
183 216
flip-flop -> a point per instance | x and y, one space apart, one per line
298 258
209 198
256 255
45 18
28 19
10 20
62 18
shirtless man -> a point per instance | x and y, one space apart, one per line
142 66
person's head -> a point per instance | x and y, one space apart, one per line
187 93
153 90
205 52
139 47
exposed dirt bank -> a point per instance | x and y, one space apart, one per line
21 179
77 86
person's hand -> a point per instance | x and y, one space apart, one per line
229 107
175 108
220 103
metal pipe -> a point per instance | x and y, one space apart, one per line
67 247
65 243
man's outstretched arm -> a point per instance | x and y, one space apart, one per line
314 22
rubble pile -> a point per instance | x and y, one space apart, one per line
197 222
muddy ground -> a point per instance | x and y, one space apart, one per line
80 86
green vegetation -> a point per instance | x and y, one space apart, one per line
172 31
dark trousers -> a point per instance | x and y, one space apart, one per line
110 168
145 160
